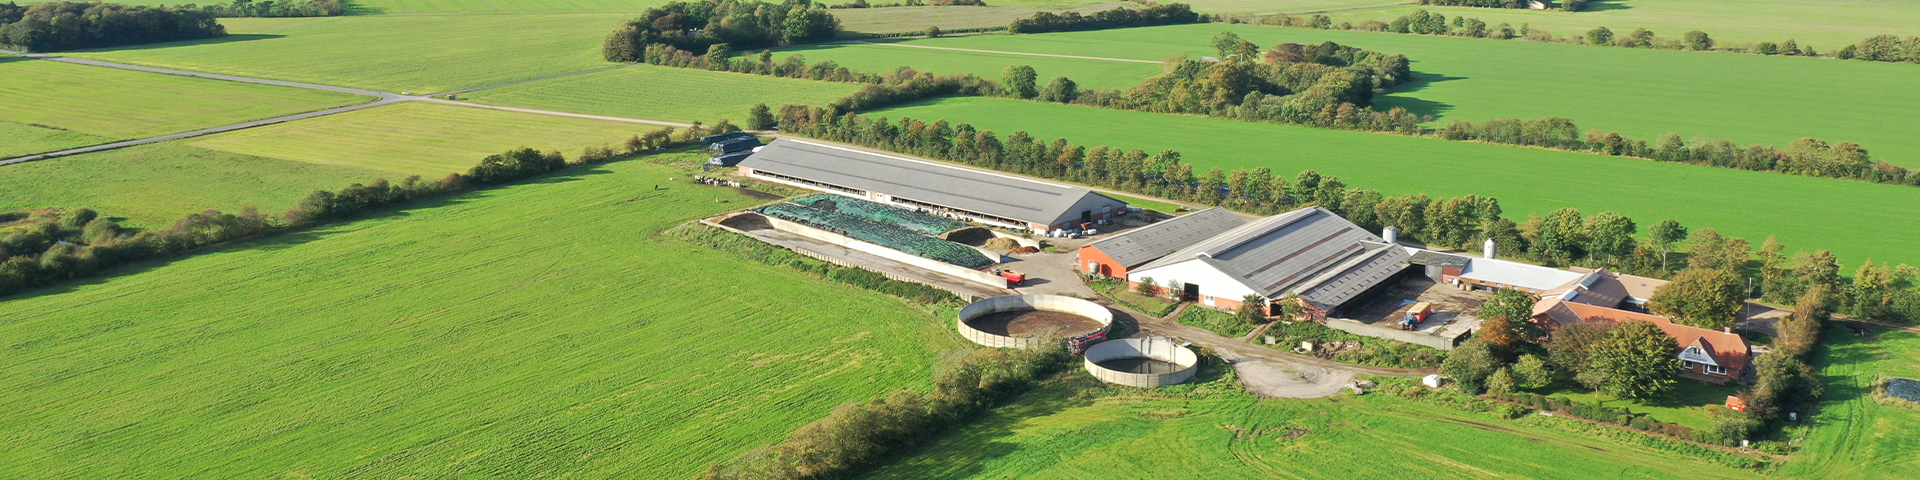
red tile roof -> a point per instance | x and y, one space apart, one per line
1727 348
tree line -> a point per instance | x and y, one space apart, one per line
909 3
1810 157
1119 17
50 27
697 26
1491 3
54 247
271 8
858 436
1882 48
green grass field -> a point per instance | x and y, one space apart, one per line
1637 92
536 330
18 139
1063 432
917 19
664 93
417 54
151 186
418 138
125 104
1853 436
1856 220
1826 26
882 57
1687 405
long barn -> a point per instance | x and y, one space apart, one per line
972 195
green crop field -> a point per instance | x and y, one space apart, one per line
536 330
418 138
1637 92
664 93
1826 26
1064 432
18 139
417 54
151 186
1853 436
916 19
1856 220
125 104
883 56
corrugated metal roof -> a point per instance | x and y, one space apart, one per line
1145 244
1518 274
972 190
1325 259
1430 257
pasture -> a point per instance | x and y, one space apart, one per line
125 104
1214 431
536 330
419 138
416 54
1826 26
151 186
1853 436
884 55
1856 220
916 19
1638 92
664 93
18 139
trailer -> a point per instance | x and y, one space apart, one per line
1416 314
1014 278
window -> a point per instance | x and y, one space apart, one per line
1716 370
1686 365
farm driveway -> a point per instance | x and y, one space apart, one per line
1266 372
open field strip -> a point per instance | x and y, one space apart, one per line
1853 436
1061 432
875 58
123 104
1856 220
1637 92
1825 25
915 19
420 138
18 139
151 186
664 93
540 329
416 54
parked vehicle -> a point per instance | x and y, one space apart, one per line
1416 314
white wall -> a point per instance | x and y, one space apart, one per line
1211 281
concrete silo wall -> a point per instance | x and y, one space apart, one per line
1157 349
1045 303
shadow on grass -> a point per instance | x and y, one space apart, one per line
1605 5
231 38
1404 96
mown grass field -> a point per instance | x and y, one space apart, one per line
916 19
664 93
1686 405
18 139
125 104
885 55
418 138
1827 26
536 330
1638 92
151 186
417 54
1853 436
1856 220
1064 432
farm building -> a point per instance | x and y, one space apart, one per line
1311 252
972 195
1707 355
1114 256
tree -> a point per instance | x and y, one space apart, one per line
1252 309
1145 287
933 32
1176 289
760 118
1225 44
1610 235
1705 298
1664 235
1572 347
1600 36
1018 82
1060 90
1532 372
717 54
1696 40
1637 359
1712 251
1470 364
1501 382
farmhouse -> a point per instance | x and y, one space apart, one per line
1325 260
1114 256
1706 355
972 195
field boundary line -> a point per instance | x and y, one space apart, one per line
556 113
200 132
215 76
549 77
975 50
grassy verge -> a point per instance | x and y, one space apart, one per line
1372 351
1224 323
1117 291
1687 405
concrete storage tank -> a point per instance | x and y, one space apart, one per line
1012 321
1141 362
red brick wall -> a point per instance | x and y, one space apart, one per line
1107 266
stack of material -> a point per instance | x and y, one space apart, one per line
917 222
886 235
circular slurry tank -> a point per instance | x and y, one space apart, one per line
1141 362
1012 321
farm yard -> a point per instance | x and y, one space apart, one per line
661 93
462 337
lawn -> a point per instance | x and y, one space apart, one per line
1826 26
1216 431
665 93
1687 405
1223 323
1116 290
885 55
1638 92
125 104
18 139
418 138
1853 436
417 54
1856 220
151 186
535 330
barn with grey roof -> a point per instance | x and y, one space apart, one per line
1115 255
1311 252
932 187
